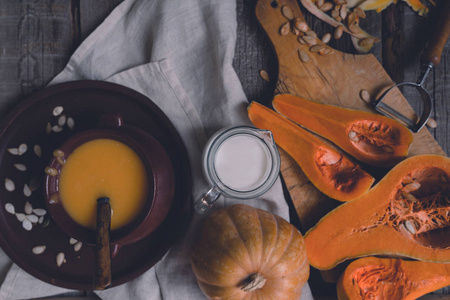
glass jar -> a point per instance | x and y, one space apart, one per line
240 162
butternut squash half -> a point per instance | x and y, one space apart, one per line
389 278
330 170
407 214
370 138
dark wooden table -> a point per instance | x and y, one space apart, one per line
37 39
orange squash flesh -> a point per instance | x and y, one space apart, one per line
407 214
330 170
393 279
370 138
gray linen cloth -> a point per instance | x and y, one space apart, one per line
179 54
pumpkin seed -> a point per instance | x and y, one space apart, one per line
264 75
20 167
58 153
301 25
9 185
37 150
359 12
353 136
62 120
343 11
45 223
311 33
13 151
303 56
409 197
410 227
319 3
316 48
310 40
352 19
22 148
326 6
77 246
338 32
57 110
365 96
368 41
39 212
57 129
431 123
60 259
70 123
403 230
48 129
20 217
54 198
326 51
284 29
326 38
51 171
301 40
41 219
32 218
38 249
388 149
26 224
35 183
61 161
28 208
72 241
414 186
286 11
26 190
10 208
335 13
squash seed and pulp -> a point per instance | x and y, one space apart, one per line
420 209
391 278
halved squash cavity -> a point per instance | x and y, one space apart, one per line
328 168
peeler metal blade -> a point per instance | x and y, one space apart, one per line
388 111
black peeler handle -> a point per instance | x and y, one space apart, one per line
439 37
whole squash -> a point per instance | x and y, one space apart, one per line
248 253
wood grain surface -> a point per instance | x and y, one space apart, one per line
38 37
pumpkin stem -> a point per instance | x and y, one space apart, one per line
253 282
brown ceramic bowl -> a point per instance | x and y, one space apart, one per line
160 184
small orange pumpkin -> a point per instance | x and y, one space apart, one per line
248 253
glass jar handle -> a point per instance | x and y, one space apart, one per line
207 200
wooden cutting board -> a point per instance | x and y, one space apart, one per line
335 79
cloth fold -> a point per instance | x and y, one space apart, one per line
179 54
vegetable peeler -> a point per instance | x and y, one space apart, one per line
430 58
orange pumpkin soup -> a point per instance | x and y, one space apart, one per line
103 168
